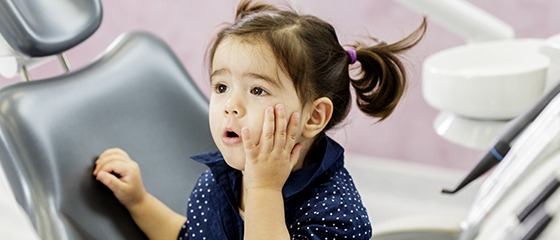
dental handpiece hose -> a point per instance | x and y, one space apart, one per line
502 146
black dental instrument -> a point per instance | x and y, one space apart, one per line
544 195
503 144
535 229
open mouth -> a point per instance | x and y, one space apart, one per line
230 134
231 138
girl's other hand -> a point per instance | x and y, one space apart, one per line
116 170
270 159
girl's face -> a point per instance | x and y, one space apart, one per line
245 81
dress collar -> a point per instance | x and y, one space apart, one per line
297 181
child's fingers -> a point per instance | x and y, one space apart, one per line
248 144
292 132
280 127
114 152
110 180
294 155
102 161
116 166
106 176
266 141
111 154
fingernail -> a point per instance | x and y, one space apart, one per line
270 110
296 116
280 107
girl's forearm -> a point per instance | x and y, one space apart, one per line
264 215
156 219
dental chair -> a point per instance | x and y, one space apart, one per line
136 95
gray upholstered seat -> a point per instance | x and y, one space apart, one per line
48 27
136 96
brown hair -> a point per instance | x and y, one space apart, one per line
308 50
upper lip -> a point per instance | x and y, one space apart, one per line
230 132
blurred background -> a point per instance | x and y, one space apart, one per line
408 135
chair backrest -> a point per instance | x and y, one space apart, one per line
48 27
136 96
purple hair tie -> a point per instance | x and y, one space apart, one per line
352 54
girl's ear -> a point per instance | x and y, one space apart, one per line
320 114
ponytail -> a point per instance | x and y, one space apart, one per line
383 77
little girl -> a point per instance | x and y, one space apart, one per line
280 80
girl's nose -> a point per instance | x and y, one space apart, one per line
231 111
233 107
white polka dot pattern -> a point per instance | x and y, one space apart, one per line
333 210
320 200
330 208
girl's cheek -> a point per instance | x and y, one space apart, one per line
255 126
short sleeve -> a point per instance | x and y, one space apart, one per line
333 210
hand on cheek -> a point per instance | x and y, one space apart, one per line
271 158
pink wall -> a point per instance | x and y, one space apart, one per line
407 135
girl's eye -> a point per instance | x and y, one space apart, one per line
220 88
258 91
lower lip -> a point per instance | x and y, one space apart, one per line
231 140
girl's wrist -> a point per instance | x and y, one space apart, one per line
138 202
264 190
264 185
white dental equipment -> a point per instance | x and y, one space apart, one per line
480 87
463 18
535 144
523 218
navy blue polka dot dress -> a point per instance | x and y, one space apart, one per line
320 200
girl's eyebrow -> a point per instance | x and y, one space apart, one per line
253 75
266 78
218 72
